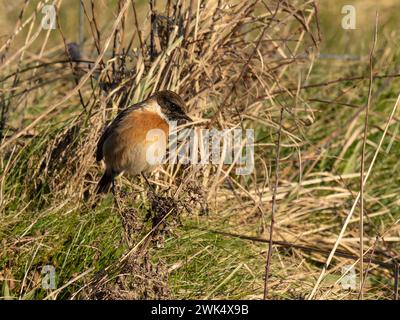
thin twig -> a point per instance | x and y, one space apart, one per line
396 281
271 230
361 223
364 277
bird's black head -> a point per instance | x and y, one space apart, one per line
172 105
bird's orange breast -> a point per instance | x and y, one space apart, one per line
127 147
135 126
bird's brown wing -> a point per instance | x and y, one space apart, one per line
114 124
99 151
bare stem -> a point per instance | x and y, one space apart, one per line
361 227
271 230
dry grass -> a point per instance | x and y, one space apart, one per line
249 64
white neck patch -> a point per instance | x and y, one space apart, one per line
153 106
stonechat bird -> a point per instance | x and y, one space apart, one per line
125 143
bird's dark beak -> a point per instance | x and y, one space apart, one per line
181 117
186 117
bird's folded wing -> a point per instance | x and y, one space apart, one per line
110 129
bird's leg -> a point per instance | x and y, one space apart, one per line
113 187
115 194
148 183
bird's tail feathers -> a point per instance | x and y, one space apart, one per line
105 182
